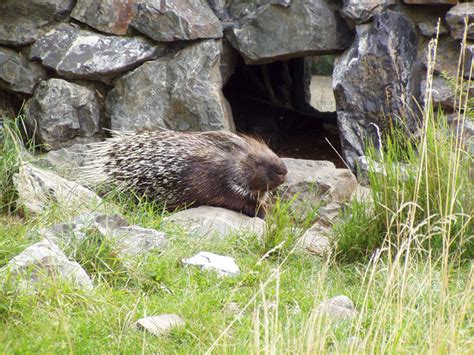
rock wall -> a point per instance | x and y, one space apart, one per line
88 65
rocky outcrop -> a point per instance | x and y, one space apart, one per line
76 53
303 28
22 22
374 81
62 113
456 19
179 92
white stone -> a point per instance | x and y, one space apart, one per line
160 325
339 308
223 265
316 240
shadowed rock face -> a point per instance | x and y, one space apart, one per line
278 31
374 82
22 22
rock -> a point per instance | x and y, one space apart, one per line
427 21
22 22
76 53
176 20
375 81
17 74
181 92
328 214
62 113
223 265
431 2
442 93
228 61
160 325
456 20
38 188
447 54
316 240
207 221
65 161
315 181
44 260
361 11
339 308
109 16
464 130
129 241
273 32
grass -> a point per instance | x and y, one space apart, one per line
404 261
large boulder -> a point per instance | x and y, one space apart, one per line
176 20
62 113
22 22
283 30
76 53
180 92
456 20
374 81
17 74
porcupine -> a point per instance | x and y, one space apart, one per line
190 169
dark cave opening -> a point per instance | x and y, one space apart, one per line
273 101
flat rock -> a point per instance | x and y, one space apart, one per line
22 22
17 74
339 308
160 325
315 181
274 31
45 260
361 11
109 16
62 113
128 240
223 265
76 53
38 189
316 240
207 221
368 92
176 20
180 92
455 19
65 161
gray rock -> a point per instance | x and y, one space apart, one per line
455 19
206 221
427 21
182 92
129 241
314 181
38 188
65 161
44 260
361 11
22 22
176 20
447 54
327 214
160 325
17 74
431 2
109 16
442 93
76 53
316 240
223 265
339 308
272 32
228 61
375 80
62 113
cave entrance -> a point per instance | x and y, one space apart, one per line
289 104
